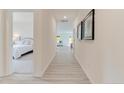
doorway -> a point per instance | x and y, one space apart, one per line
64 35
22 42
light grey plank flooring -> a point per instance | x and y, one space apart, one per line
65 68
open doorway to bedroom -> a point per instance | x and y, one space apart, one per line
22 27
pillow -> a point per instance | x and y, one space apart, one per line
27 42
18 42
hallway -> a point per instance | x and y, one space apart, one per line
63 70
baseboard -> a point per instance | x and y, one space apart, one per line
87 74
42 73
6 75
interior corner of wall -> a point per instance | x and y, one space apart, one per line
45 68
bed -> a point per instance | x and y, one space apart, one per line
22 47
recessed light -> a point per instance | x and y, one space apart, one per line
65 17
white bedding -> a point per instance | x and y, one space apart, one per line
18 50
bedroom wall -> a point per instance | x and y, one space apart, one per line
103 58
23 24
45 40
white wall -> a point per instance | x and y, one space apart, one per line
5 40
2 44
103 58
23 24
112 36
45 40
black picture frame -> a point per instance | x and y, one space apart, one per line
88 26
79 31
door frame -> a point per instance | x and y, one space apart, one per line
12 32
37 56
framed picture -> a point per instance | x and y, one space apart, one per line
79 31
88 26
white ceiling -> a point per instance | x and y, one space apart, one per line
71 14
